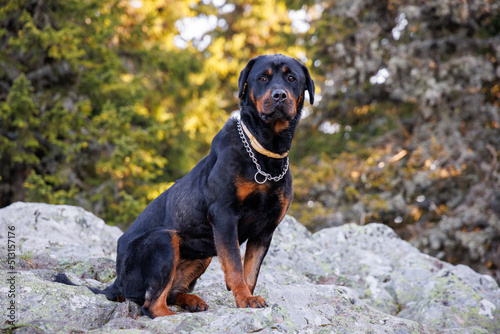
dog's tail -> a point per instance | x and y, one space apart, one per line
111 292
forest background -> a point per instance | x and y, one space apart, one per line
105 103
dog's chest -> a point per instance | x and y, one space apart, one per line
261 207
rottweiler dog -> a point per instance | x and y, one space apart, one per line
239 192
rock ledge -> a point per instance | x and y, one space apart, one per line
348 279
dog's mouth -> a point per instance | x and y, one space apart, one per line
274 111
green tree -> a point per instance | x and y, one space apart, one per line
100 107
96 103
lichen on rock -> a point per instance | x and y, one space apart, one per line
350 279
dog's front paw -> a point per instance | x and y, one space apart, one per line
251 301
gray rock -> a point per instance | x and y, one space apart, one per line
391 275
349 279
59 232
44 304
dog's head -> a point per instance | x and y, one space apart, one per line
274 85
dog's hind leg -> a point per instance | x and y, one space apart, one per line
159 269
186 275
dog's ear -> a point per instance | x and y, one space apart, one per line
242 81
309 84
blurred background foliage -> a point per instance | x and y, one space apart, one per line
105 103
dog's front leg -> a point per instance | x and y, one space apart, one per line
226 242
255 252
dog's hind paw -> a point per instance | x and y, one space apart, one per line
191 303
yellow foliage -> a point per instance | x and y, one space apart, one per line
198 78
416 213
361 110
140 109
127 77
163 113
160 189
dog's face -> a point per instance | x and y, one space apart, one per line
275 86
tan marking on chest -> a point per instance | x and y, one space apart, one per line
285 204
244 188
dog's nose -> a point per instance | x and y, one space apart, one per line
279 95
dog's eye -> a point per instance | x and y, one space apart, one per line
263 79
291 78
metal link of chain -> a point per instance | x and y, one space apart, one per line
266 176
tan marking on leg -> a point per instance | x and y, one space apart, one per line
188 271
285 204
251 267
158 307
190 302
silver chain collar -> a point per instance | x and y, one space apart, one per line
266 176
